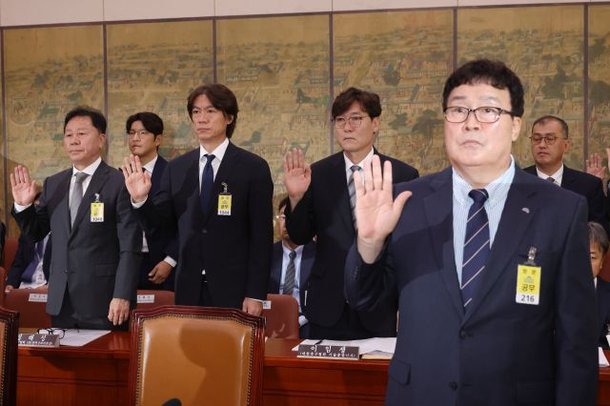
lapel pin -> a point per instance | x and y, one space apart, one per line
525 210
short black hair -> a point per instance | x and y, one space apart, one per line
369 102
494 73
97 118
547 118
151 122
221 97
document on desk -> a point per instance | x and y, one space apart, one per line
370 348
78 338
603 362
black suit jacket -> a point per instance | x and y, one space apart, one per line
233 250
497 352
275 277
92 262
161 241
325 211
603 310
587 185
26 250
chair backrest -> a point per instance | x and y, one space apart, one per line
9 325
200 356
149 299
31 304
8 252
283 316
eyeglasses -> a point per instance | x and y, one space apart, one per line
60 332
548 139
139 133
483 114
354 121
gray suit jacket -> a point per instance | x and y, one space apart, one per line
92 261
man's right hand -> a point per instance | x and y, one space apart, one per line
22 186
8 288
377 213
297 175
137 182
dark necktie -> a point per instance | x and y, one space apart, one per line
77 194
550 179
351 188
207 184
290 275
28 273
476 245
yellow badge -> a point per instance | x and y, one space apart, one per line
97 210
224 201
528 284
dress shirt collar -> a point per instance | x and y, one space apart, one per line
557 176
219 152
150 165
287 249
367 160
90 170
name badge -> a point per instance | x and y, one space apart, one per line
224 201
97 210
528 281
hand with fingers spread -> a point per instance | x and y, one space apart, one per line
297 175
377 212
595 166
24 188
137 181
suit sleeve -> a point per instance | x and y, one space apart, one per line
597 206
300 221
34 221
157 212
130 245
575 324
260 217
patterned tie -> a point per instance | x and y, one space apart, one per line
77 194
290 275
351 188
476 245
550 179
28 274
207 184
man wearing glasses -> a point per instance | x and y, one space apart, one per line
549 143
496 300
159 248
321 201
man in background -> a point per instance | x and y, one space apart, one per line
145 135
291 266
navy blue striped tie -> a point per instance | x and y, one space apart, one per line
476 245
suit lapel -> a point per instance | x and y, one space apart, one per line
157 174
438 208
519 210
568 178
95 185
338 182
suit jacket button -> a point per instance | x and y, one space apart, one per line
463 334
453 385
204 231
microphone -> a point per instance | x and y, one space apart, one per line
172 402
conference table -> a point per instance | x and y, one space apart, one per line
97 374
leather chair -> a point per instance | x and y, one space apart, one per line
283 316
158 297
9 325
197 355
32 311
8 253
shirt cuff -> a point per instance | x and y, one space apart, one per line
171 261
139 204
19 208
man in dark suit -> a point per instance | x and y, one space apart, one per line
145 132
550 142
290 260
96 243
220 198
497 305
30 268
321 201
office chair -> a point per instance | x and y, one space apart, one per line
283 316
9 325
196 355
31 304
158 297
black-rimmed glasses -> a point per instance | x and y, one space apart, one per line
353 121
60 332
483 114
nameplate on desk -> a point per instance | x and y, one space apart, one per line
266 304
38 340
328 351
146 298
37 297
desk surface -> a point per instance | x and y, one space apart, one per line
98 373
